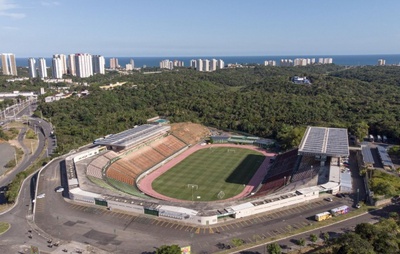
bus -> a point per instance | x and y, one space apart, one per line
340 210
323 216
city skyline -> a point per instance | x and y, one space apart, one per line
170 28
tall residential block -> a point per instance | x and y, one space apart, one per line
42 68
381 62
71 65
63 59
83 65
166 64
32 67
99 64
114 63
57 67
8 64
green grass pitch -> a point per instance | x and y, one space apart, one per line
210 174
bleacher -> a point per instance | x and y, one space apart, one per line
168 145
130 166
308 168
279 172
94 171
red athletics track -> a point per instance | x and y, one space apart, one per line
145 184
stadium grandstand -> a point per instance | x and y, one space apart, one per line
131 153
317 146
243 140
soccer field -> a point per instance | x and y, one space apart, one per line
209 174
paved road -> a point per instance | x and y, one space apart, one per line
115 231
289 244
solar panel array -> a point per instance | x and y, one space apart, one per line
367 155
386 161
132 136
337 143
325 141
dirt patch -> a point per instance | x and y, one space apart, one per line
190 133
15 143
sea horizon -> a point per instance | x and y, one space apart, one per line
153 61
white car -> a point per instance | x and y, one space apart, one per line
60 189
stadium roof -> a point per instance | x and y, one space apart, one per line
131 136
325 141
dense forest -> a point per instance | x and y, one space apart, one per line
258 100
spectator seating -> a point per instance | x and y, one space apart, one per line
94 171
308 168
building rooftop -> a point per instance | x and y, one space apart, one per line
325 141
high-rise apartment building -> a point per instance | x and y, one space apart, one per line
166 64
213 64
193 63
83 65
114 63
221 64
199 65
42 68
71 65
132 63
32 67
57 67
206 65
381 62
8 64
99 64
63 59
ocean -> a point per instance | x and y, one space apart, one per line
345 60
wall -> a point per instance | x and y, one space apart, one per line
276 205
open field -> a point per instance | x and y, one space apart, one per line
210 174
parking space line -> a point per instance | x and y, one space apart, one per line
197 231
210 231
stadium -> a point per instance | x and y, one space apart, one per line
168 170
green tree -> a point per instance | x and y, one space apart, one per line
168 249
361 130
274 248
351 243
326 237
237 242
313 238
301 242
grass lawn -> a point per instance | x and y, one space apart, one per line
211 174
4 226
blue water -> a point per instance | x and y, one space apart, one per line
347 60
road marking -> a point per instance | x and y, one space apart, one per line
197 231
211 231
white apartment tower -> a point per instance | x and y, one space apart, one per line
381 62
83 65
42 68
99 64
221 64
32 67
57 67
63 66
213 64
166 64
206 65
193 63
71 65
199 65
8 64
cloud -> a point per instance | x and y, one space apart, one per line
49 3
7 9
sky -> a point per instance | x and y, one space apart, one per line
41 28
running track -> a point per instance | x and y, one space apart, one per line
145 183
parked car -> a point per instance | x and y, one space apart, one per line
60 189
358 206
328 199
